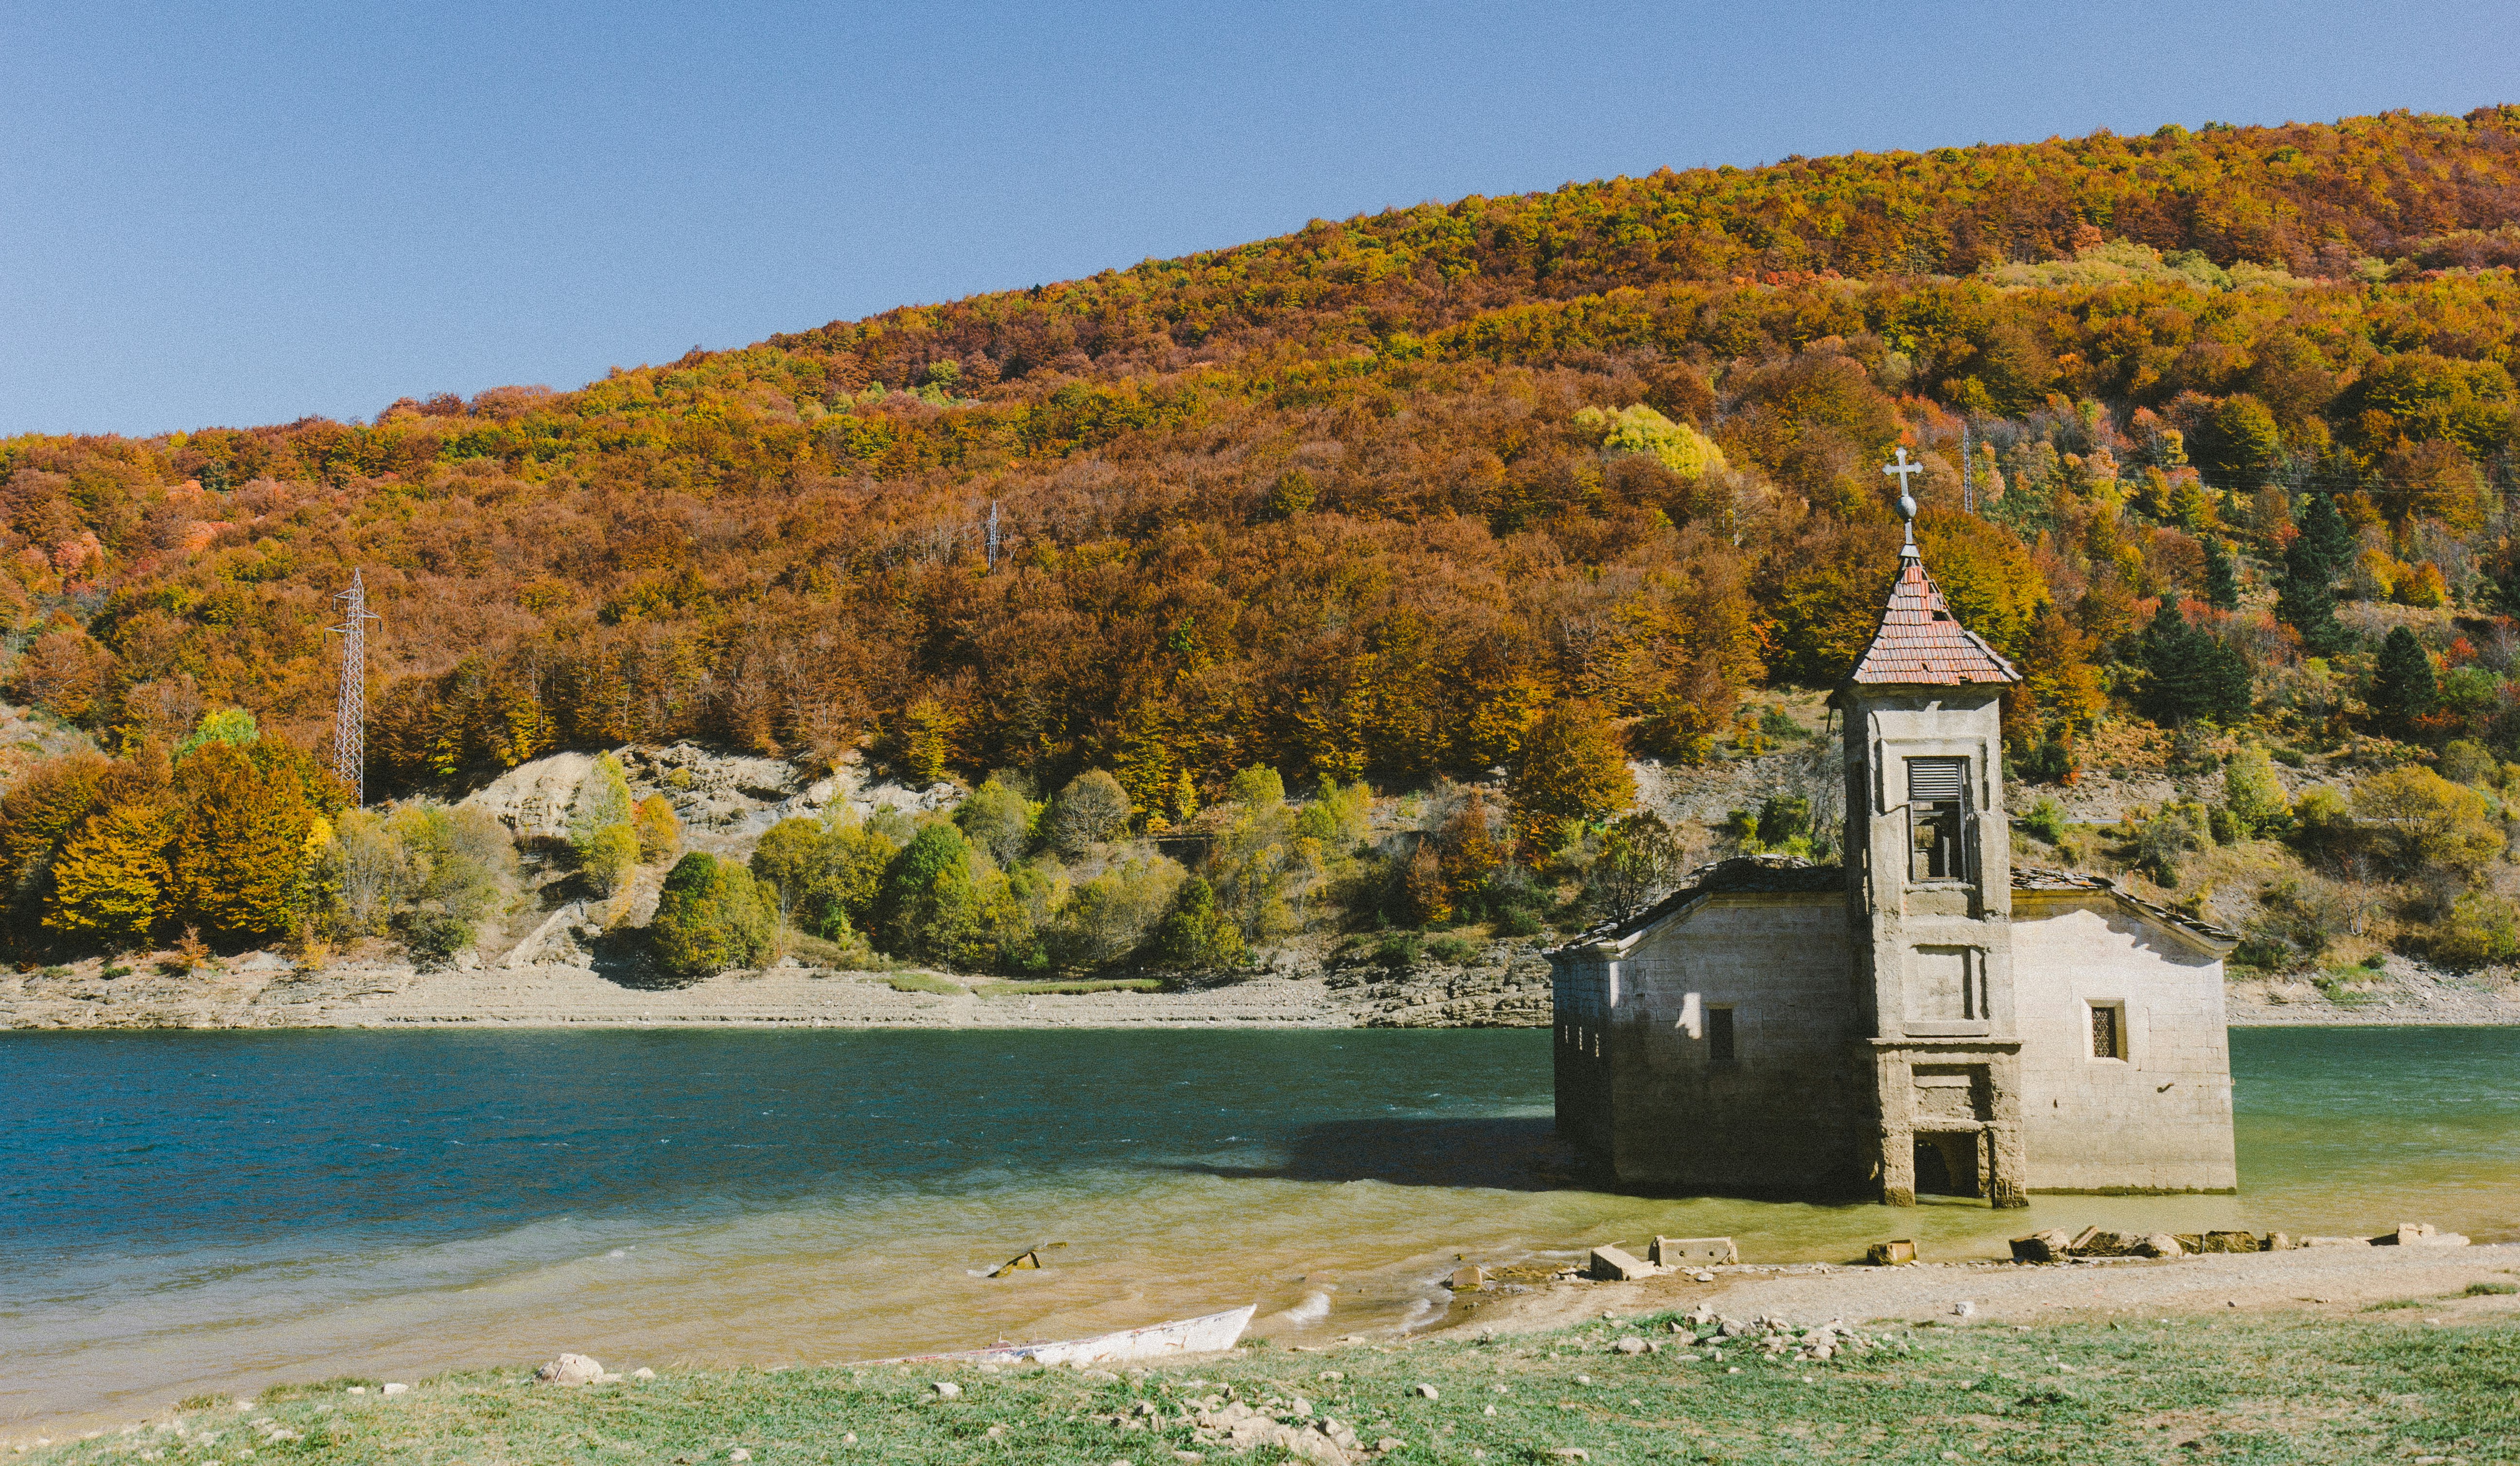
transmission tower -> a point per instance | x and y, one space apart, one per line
350 713
1968 471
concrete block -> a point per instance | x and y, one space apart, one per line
1679 1252
2042 1247
1613 1265
1890 1254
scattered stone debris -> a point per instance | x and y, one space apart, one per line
947 1390
570 1369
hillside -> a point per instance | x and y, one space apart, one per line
1372 499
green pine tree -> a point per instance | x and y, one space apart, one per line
2221 576
2403 686
2306 600
2189 674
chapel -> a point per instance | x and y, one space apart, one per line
1927 1017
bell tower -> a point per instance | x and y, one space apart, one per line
1929 898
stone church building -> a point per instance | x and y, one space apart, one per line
1928 1017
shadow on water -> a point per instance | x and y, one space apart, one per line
1517 1154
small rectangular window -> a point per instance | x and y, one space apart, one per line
1937 801
2108 1036
1719 1035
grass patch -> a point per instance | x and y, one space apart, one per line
1081 985
2393 1303
2291 1389
923 982
2491 1290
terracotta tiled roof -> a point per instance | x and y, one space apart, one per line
1921 641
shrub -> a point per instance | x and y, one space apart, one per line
452 869
1399 949
2467 762
610 855
1640 858
1336 817
929 911
1107 918
1198 935
1089 811
2482 929
2252 793
2163 839
2046 819
1455 950
660 835
711 917
2424 819
1256 788
603 799
999 821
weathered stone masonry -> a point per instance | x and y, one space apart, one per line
1925 1017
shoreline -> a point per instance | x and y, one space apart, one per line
791 998
2078 1321
269 993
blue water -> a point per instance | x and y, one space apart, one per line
183 1210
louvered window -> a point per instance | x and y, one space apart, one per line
1937 801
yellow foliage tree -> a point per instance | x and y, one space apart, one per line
1573 769
240 843
110 881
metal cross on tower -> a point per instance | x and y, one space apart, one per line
1907 500
350 712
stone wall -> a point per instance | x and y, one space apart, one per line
1637 1083
2160 1118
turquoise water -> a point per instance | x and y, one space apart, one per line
187 1211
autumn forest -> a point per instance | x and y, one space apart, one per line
2220 443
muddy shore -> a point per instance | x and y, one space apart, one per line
266 991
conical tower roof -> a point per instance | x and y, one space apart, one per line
1920 642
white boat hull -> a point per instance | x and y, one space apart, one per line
1212 1333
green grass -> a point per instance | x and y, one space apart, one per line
2284 1390
1087 985
2491 1290
2393 1304
923 982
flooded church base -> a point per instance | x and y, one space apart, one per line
1925 1018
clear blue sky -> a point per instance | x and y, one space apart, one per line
246 214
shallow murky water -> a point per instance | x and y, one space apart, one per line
193 1212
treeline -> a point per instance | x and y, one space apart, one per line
1373 499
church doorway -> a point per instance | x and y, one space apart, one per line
1947 1166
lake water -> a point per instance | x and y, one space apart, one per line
189 1212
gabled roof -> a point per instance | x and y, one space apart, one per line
1921 641
1759 874
2206 933
1791 875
